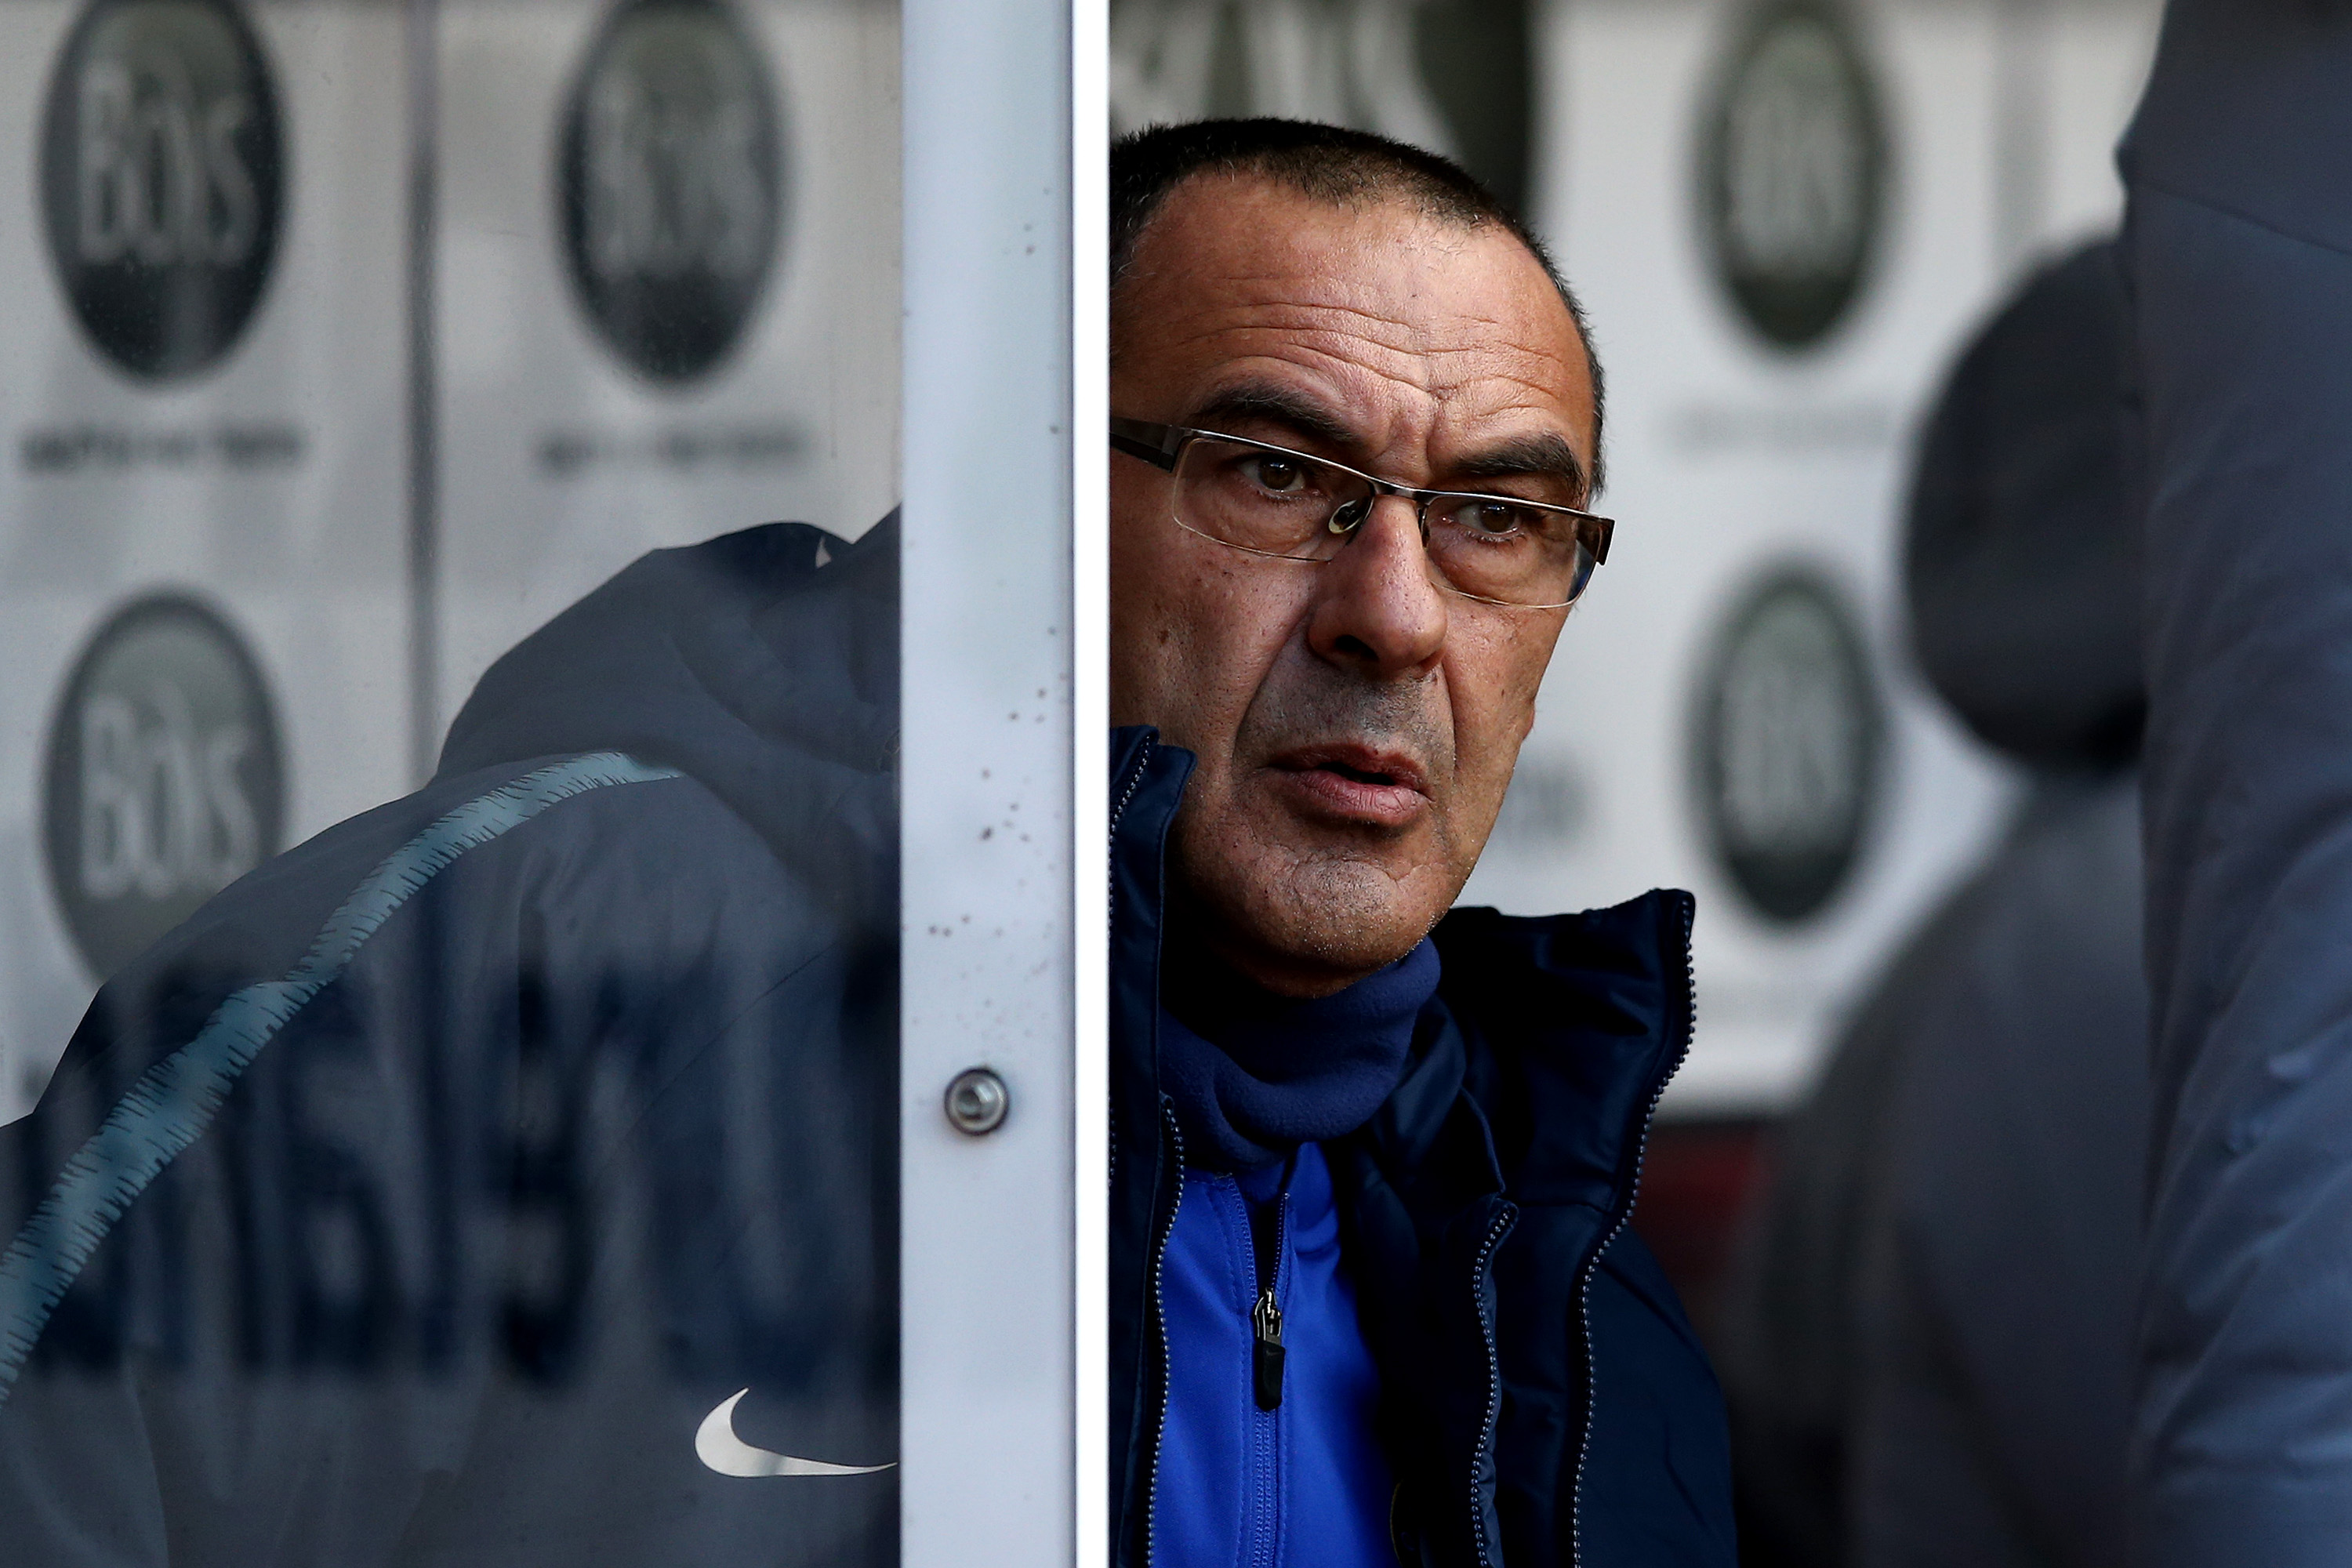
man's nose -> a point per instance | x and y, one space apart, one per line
1378 610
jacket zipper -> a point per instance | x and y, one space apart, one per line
1584 1289
1160 1330
1126 797
1486 1443
1110 898
1265 1317
1265 1358
1134 782
1266 1377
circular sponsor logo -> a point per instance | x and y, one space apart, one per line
161 164
1793 170
671 184
1787 746
165 781
1454 76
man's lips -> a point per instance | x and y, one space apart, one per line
1360 783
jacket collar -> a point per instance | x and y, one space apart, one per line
1592 1015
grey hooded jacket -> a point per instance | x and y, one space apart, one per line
1926 1345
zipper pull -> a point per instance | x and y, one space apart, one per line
1265 1361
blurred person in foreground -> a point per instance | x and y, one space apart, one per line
2238 255
508 1175
1928 1347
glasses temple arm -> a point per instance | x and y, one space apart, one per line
1157 445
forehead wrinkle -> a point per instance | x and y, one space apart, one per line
1276 291
1416 373
1534 369
1481 392
1457 331
1486 340
1430 367
1304 318
1535 391
1339 380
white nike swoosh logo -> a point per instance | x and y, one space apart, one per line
716 1445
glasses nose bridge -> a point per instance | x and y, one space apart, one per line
1386 489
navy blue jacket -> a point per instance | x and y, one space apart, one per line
1543 1400
2239 247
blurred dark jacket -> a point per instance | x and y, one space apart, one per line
2239 255
1926 1342
486 1179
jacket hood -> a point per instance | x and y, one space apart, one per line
2022 568
763 664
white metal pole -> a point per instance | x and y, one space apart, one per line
994 858
1090 759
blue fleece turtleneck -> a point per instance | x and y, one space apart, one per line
1256 1080
1253 1075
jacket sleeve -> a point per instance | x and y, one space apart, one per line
2239 248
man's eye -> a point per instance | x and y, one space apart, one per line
1489 518
1279 475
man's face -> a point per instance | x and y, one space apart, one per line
1356 722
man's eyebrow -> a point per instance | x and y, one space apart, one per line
1545 454
1264 403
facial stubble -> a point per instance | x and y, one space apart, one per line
1315 894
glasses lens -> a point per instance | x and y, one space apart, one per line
1274 502
1495 547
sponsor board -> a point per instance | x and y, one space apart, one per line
166 780
1785 744
202 598
163 168
668 261
1793 168
671 175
